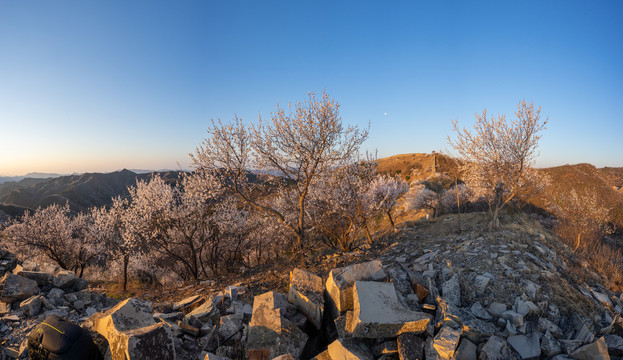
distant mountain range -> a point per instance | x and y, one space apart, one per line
33 175
38 175
80 191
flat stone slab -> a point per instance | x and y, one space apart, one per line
378 313
306 294
545 325
348 349
446 341
341 281
187 302
528 347
42 278
451 290
17 288
204 312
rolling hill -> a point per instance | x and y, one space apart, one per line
80 191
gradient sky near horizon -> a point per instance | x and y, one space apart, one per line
96 86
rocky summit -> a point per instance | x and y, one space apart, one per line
510 295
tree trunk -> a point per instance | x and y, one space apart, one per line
391 220
301 222
577 240
365 226
126 260
495 220
458 202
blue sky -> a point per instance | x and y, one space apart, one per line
99 86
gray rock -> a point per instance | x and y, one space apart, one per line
602 298
584 335
208 310
496 309
549 345
230 325
55 293
615 345
410 347
597 350
340 283
351 349
389 347
553 314
378 314
132 332
509 329
32 305
270 333
546 325
527 347
521 307
515 318
446 341
306 293
477 330
64 279
481 282
531 289
429 351
466 351
495 348
42 278
569 346
400 278
17 288
451 290
480 312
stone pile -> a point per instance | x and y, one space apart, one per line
462 299
31 292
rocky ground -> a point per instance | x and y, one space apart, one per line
423 291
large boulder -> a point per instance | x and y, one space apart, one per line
17 288
270 333
341 281
132 333
306 294
42 278
378 313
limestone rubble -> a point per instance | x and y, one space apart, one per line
463 297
